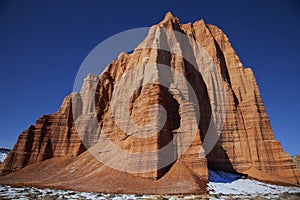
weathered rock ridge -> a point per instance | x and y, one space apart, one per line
54 150
53 135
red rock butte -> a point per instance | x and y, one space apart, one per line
51 153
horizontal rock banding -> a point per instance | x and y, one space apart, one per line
246 143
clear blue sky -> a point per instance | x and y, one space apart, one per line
43 43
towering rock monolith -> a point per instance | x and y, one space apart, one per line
181 103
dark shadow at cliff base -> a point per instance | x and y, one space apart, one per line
220 168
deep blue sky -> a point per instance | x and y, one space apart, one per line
43 43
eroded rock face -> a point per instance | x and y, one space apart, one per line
53 136
246 143
296 160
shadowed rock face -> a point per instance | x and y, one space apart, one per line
246 144
296 160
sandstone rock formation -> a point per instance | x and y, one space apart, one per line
56 147
296 160
53 136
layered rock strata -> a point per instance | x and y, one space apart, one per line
244 139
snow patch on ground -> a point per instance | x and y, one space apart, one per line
247 186
218 176
8 192
223 185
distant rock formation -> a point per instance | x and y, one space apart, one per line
3 154
51 153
